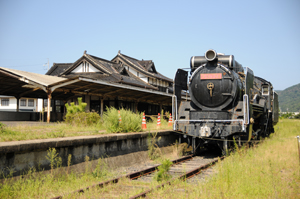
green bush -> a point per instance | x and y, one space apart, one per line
83 119
287 115
131 122
72 108
163 169
76 115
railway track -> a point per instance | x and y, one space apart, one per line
140 183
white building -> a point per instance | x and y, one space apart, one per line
9 103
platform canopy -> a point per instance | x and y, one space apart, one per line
25 84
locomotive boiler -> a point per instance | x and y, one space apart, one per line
227 103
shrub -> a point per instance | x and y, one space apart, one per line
153 149
76 115
54 159
163 169
1 127
297 116
83 119
130 122
72 108
287 115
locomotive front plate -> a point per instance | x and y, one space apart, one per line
211 76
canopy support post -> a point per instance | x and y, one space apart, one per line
101 107
48 105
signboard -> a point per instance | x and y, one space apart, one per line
211 76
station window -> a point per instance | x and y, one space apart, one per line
58 109
45 103
23 102
58 102
31 102
265 90
5 102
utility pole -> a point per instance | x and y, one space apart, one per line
47 64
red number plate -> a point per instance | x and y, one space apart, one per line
211 76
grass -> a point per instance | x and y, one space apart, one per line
26 132
131 122
268 170
55 182
123 120
64 180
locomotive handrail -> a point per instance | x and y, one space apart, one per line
246 108
175 109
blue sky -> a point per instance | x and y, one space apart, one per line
262 35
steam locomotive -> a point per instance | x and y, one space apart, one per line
227 103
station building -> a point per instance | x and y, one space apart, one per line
123 82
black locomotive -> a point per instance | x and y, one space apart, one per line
227 103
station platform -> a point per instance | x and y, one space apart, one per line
22 155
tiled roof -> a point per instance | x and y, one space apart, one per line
114 78
108 65
58 68
111 71
102 65
143 67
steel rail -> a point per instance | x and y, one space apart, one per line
182 177
131 176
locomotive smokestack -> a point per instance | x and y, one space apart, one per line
210 55
196 61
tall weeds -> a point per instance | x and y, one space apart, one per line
162 173
267 170
130 122
48 185
54 159
153 149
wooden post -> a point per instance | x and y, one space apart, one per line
49 105
101 107
54 106
136 106
18 104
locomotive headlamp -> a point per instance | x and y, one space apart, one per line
210 55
